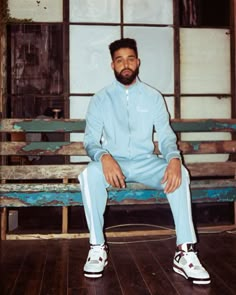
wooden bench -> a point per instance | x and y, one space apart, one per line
24 184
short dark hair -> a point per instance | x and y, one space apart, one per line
123 43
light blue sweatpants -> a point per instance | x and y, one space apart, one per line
148 171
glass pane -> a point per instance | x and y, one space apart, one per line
33 106
95 11
36 63
78 106
155 46
208 13
90 61
42 11
205 60
205 107
148 11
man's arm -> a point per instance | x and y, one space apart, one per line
94 130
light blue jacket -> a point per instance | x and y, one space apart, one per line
121 120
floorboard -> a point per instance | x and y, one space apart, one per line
137 265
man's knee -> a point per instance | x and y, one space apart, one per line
92 173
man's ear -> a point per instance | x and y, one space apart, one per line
139 62
112 65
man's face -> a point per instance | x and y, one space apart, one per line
125 65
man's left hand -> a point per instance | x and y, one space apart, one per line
172 177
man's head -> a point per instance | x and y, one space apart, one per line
125 62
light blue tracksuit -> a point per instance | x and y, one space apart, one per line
121 121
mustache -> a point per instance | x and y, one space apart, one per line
126 69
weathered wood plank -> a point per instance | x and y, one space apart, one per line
41 148
71 171
203 125
42 125
77 125
77 149
74 187
27 172
118 234
217 169
207 147
22 195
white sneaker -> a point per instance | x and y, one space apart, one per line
96 261
187 264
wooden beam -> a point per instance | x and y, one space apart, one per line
64 220
144 234
65 213
3 223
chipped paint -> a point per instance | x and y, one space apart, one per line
45 146
115 197
50 126
196 145
203 125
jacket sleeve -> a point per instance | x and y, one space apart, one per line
165 134
94 130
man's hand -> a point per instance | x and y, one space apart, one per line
111 169
172 176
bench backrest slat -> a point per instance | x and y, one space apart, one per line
71 171
67 148
77 125
18 172
42 125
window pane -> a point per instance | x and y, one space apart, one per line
214 13
78 106
155 47
36 64
95 11
205 107
90 60
205 60
42 11
148 11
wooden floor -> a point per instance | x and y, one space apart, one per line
55 267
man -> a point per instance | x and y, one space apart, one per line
119 140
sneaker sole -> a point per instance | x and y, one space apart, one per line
95 275
193 280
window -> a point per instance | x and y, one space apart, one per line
35 69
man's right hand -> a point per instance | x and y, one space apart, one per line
112 171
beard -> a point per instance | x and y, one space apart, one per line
127 79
